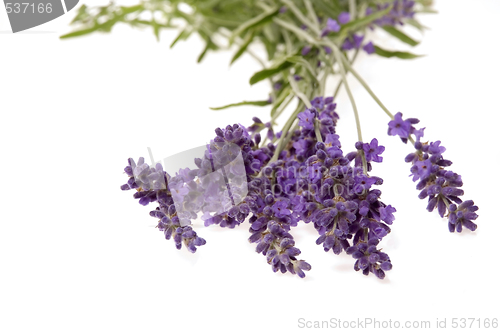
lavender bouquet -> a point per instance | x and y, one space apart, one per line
276 177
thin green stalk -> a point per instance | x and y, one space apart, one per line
282 107
310 11
283 139
352 9
337 89
317 131
299 93
367 88
311 25
337 55
322 87
297 31
288 42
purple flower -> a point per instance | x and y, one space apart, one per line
280 208
373 150
421 170
344 17
419 134
462 216
435 148
306 119
386 214
353 42
369 48
305 50
332 140
399 127
331 26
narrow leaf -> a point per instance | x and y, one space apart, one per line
263 74
260 19
243 47
400 35
254 103
416 24
397 54
131 9
362 22
80 32
183 35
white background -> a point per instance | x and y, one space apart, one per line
78 254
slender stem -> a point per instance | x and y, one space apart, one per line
299 93
288 42
284 139
337 89
282 107
367 88
323 81
311 12
317 131
352 9
301 17
297 31
337 55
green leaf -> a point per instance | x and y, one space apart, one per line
243 47
209 45
397 54
261 19
79 33
263 74
82 12
131 9
254 103
325 8
183 35
400 35
362 22
416 24
270 48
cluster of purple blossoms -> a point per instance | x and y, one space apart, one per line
309 180
400 10
440 186
314 182
151 185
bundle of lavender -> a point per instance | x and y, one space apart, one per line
300 172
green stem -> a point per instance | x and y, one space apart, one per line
337 55
317 131
301 17
284 132
299 93
352 9
282 107
340 83
288 42
297 31
367 88
311 12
